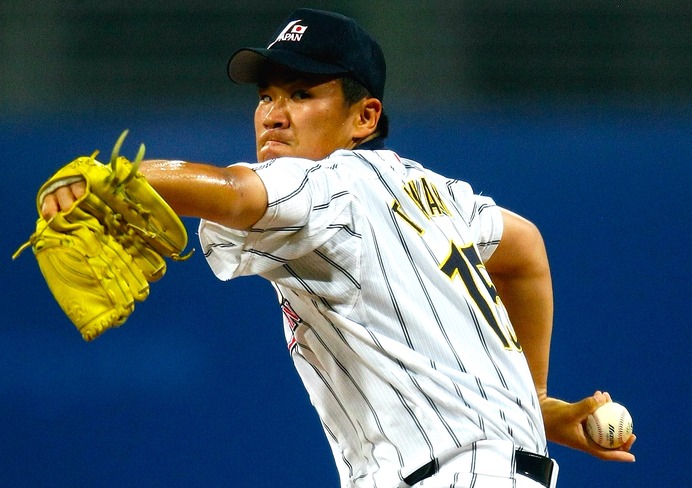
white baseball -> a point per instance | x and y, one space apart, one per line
610 426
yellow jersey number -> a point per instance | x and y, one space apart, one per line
465 263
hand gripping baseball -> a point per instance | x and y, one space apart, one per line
99 256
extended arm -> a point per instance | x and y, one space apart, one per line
520 271
233 196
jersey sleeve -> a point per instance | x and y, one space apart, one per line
482 215
307 204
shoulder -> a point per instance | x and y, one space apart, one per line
379 161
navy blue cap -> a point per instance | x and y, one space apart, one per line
316 42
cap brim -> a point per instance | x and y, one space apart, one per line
247 65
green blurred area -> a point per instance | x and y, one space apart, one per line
62 55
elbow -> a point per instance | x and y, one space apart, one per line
245 200
521 250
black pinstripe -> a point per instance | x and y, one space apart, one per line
401 362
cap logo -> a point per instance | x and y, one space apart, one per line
292 32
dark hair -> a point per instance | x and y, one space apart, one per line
354 91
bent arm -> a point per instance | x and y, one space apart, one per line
520 271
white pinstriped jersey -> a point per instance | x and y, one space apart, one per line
399 337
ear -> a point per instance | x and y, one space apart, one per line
368 114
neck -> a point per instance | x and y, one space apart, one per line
359 142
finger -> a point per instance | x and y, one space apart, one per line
78 189
588 405
49 207
628 445
618 456
64 197
602 397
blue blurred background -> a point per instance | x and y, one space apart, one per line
576 116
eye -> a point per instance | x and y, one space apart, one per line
301 95
263 98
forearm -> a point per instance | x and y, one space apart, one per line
233 196
520 271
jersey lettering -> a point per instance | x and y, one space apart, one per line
426 197
465 263
396 208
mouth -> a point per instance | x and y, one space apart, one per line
272 147
274 142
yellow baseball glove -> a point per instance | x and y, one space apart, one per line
99 256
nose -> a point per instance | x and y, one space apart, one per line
276 115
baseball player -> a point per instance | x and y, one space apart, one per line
417 313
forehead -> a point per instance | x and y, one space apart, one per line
274 74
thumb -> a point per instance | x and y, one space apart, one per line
588 405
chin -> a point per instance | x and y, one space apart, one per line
273 151
267 155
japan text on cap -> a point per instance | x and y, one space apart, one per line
317 42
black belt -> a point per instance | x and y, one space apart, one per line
538 468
